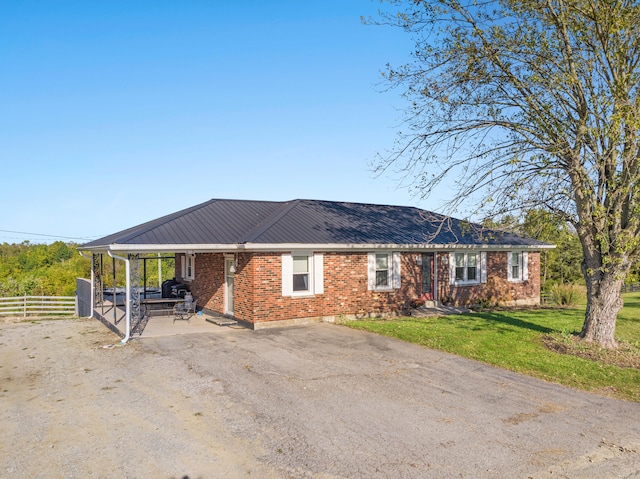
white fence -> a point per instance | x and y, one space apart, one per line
38 306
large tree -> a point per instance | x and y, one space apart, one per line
528 104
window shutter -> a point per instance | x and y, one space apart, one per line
183 266
525 266
318 273
287 274
371 266
510 266
452 268
483 267
397 277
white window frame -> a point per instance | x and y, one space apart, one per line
188 264
315 262
481 268
394 276
523 266
307 260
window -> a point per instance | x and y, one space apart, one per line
472 267
516 259
467 268
460 257
302 274
517 266
384 271
189 267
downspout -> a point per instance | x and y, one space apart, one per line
90 258
127 297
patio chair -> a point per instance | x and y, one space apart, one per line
185 309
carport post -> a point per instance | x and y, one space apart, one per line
127 297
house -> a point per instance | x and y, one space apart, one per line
268 262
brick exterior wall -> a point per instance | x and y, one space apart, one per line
208 285
497 289
258 286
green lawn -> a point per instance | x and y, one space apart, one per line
515 340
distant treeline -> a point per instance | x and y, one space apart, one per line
41 269
51 269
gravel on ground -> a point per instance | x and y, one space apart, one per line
319 401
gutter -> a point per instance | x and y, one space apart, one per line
127 297
230 248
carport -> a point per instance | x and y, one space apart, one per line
122 309
113 315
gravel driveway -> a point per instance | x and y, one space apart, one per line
319 401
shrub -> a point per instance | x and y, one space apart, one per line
567 294
447 300
416 303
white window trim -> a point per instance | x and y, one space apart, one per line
316 274
394 271
523 266
481 266
183 263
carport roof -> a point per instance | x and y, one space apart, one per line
222 224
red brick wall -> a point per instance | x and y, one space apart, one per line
497 289
208 284
345 290
258 286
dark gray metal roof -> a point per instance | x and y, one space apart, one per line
233 222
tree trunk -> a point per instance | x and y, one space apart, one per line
604 301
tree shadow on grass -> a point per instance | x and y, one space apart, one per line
507 320
629 312
631 303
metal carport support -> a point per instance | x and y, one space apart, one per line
127 296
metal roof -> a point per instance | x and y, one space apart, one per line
234 224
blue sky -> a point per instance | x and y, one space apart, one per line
118 112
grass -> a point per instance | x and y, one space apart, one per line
538 342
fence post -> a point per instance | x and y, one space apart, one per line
24 307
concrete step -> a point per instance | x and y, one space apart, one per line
222 321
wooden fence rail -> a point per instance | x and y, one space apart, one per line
631 288
546 297
38 306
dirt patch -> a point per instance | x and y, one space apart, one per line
626 356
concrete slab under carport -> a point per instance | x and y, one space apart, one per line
157 325
165 325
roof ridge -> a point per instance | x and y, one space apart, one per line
269 221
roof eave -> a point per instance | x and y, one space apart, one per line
370 246
161 248
212 248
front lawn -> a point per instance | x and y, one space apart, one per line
537 342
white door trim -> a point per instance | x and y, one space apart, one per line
228 286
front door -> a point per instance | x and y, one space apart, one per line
228 285
428 276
